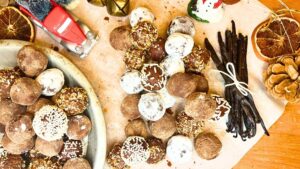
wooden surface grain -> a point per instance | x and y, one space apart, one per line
282 149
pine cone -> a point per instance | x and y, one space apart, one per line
282 78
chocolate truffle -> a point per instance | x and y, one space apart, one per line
50 123
140 14
157 50
8 110
179 149
202 83
157 150
131 82
182 24
136 127
129 106
43 163
20 129
153 77
172 66
151 106
48 148
181 85
187 125
114 159
119 38
179 45
11 161
71 149
31 90
197 60
208 146
223 107
14 148
41 102
143 34
79 127
168 100
134 58
200 106
51 80
7 78
164 128
135 150
32 61
80 163
73 100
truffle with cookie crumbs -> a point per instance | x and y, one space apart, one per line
114 159
151 106
157 150
131 82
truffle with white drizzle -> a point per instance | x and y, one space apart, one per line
182 24
179 149
50 123
151 106
140 14
51 80
153 77
131 82
135 150
172 66
179 45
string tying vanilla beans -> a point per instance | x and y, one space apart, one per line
241 86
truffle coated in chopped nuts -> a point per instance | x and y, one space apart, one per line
134 58
43 162
157 150
136 127
7 78
10 161
31 61
31 90
187 125
129 106
114 159
196 60
182 85
143 34
163 128
73 100
207 145
200 106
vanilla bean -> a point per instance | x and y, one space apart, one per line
243 116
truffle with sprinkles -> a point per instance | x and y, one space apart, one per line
153 77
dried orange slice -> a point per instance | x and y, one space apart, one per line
15 25
275 38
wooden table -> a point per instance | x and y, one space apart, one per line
282 148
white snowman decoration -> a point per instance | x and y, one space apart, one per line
209 11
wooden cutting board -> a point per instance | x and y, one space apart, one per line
282 148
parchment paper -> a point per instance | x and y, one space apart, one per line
104 67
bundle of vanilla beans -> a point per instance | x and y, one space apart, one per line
244 115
